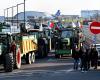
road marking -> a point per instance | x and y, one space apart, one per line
33 72
70 70
67 70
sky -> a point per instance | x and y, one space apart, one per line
67 7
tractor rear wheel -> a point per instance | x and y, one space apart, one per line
18 59
57 56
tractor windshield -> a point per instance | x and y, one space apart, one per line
66 34
4 39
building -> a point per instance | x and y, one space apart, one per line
32 14
90 14
70 16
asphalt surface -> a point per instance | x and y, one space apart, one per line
50 69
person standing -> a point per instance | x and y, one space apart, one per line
75 56
91 52
94 57
88 57
83 57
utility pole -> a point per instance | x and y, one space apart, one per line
4 15
17 15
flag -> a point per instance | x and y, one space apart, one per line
80 25
41 27
73 24
57 26
50 25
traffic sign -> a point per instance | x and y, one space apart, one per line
95 27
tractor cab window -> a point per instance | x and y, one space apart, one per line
36 33
47 33
3 39
66 34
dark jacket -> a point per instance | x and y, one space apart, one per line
75 54
94 54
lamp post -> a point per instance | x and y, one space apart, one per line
24 12
18 12
6 13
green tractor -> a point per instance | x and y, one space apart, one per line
65 40
42 41
16 45
6 56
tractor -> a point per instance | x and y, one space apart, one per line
65 40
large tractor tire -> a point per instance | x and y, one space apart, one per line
8 62
45 50
57 56
18 59
41 52
28 58
32 57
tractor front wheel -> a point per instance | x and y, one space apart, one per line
8 62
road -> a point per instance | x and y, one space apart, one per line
50 69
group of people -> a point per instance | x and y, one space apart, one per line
88 57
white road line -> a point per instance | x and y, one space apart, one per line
70 70
67 70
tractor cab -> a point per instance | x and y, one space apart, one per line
66 36
6 57
65 41
5 40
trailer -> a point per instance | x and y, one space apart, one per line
15 46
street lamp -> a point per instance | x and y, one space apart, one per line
24 12
6 13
